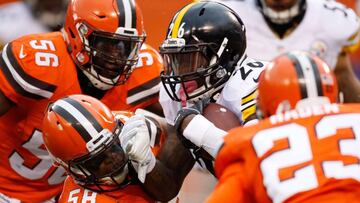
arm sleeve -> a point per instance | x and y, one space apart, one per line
21 81
144 82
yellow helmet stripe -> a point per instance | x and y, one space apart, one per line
179 18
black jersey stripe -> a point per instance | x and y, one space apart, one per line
22 82
31 80
20 90
143 87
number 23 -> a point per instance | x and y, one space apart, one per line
300 152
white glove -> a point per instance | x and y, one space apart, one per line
135 140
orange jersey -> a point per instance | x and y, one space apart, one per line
35 70
308 155
77 194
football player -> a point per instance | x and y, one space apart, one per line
205 61
325 28
17 20
50 13
205 58
107 154
307 148
97 53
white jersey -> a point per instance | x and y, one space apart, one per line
238 94
16 21
325 30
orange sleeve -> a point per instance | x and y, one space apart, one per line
29 74
230 186
144 83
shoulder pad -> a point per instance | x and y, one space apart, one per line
144 82
30 65
149 57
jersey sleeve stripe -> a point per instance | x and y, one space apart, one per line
246 113
13 82
143 96
145 86
354 37
31 80
247 105
23 83
251 96
144 91
353 42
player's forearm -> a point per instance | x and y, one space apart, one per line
348 83
174 162
162 183
202 133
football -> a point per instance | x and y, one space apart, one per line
221 116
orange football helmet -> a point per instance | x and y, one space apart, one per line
104 38
82 135
295 79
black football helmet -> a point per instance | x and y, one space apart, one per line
282 12
204 42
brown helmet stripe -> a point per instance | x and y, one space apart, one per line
79 117
300 75
127 13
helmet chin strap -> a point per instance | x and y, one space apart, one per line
281 17
101 83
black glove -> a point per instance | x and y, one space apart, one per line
182 114
197 152
201 104
195 109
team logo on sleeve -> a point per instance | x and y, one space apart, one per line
22 54
319 48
